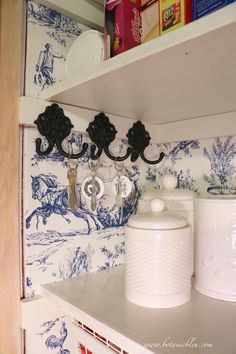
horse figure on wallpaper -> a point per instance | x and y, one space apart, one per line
54 200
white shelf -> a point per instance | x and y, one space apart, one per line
184 74
98 300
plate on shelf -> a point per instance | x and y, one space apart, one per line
86 52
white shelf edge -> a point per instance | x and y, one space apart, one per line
214 21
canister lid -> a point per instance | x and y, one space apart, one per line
157 218
170 192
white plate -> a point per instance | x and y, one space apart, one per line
86 52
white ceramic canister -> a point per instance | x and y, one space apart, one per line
216 247
158 258
180 201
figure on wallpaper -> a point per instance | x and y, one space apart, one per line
44 67
222 168
54 200
53 342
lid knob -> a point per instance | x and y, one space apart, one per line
157 205
169 182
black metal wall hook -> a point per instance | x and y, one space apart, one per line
55 126
102 133
139 139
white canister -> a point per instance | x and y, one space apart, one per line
179 201
158 258
216 247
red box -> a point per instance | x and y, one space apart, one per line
123 24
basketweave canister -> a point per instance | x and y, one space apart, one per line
158 258
180 201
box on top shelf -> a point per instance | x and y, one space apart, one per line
123 24
174 14
150 17
203 7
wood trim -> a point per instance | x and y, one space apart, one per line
11 13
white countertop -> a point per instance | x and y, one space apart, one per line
97 299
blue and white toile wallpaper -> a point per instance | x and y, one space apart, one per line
50 35
60 244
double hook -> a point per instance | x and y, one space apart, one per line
55 126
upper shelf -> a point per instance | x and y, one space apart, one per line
184 74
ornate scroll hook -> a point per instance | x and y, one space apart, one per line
55 126
139 139
102 133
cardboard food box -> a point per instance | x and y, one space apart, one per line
150 16
174 14
203 7
123 24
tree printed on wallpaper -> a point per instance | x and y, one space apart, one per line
222 169
181 148
184 178
60 27
78 261
174 152
112 255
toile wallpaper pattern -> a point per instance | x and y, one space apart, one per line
50 35
59 243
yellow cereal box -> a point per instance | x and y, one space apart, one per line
172 15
